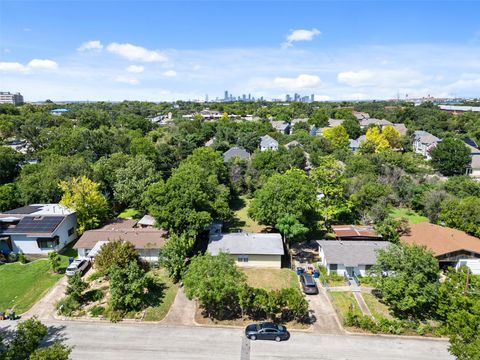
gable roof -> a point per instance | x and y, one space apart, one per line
236 152
267 140
351 253
401 128
372 121
441 240
280 125
246 243
335 122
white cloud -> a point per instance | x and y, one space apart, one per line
135 69
136 53
382 77
13 67
95 45
44 64
302 81
301 35
127 80
170 73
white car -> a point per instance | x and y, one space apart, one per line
77 266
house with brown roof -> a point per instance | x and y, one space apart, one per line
451 247
355 232
147 240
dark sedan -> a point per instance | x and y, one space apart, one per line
267 331
308 284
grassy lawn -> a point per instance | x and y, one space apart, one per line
271 279
343 301
23 285
242 220
129 214
409 214
166 294
377 309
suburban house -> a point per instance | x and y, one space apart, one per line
365 123
355 232
361 115
37 229
236 152
349 258
474 169
281 126
353 145
268 143
451 247
401 128
147 240
424 142
335 122
248 249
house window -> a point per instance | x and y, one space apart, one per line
368 267
333 267
71 231
47 243
242 258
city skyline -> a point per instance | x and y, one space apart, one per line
163 51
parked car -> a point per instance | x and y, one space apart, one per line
267 331
77 266
308 284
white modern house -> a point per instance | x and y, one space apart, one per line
37 229
268 143
349 258
248 249
424 142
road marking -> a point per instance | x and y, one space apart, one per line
245 352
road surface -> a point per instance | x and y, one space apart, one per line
105 341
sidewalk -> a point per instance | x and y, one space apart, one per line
182 311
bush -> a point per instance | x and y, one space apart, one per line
115 253
93 295
97 311
68 305
95 276
22 258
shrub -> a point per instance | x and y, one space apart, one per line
68 305
94 276
76 286
22 258
93 295
97 311
115 253
54 259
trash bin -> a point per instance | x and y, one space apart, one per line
300 271
315 274
12 315
70 260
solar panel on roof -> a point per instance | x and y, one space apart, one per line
38 224
24 210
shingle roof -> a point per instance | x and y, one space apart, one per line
354 231
267 140
236 152
246 243
351 253
378 122
401 128
441 240
335 122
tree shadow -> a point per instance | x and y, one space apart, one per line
155 294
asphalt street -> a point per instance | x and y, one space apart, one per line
105 341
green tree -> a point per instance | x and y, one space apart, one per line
132 180
76 286
10 161
337 136
352 127
115 253
174 254
55 261
391 229
82 195
375 136
411 287
291 193
462 186
451 157
128 286
462 214
459 311
291 228
57 351
319 118
8 197
217 283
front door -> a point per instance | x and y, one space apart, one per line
350 271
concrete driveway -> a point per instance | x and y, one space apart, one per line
44 309
321 309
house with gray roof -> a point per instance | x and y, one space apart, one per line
335 122
349 258
474 169
364 123
236 152
401 128
268 143
424 142
37 229
258 250
281 126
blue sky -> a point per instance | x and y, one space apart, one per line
116 50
